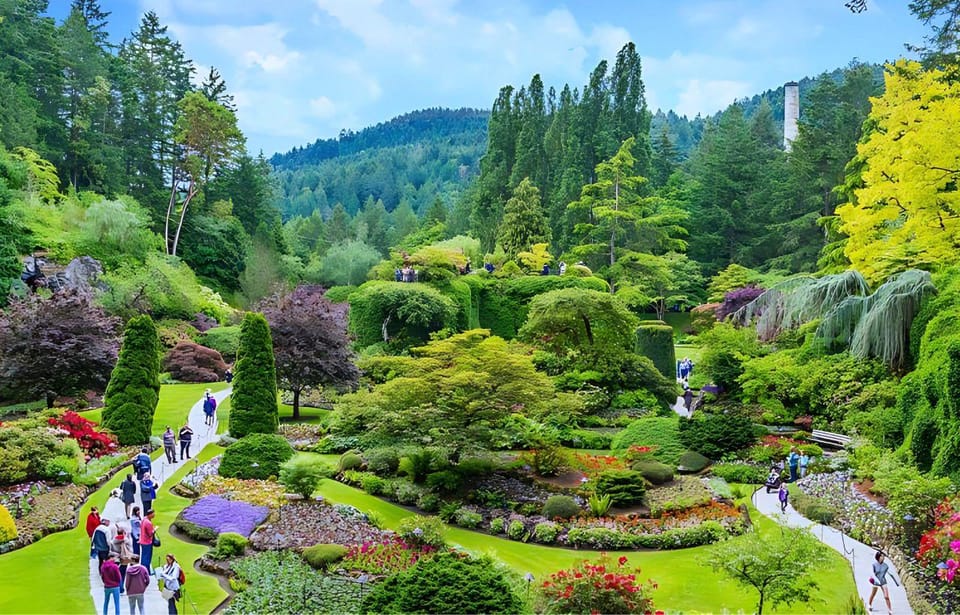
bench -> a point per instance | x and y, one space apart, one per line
832 439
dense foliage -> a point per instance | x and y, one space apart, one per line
191 362
134 389
258 455
254 400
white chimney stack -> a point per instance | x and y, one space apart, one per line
791 112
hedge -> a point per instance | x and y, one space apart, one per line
410 312
655 341
267 451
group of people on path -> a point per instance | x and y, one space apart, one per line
797 462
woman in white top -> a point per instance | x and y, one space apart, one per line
170 574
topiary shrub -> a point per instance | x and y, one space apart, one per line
625 487
254 400
562 506
715 435
654 471
691 462
302 475
447 583
134 389
229 544
256 456
191 362
321 556
8 529
655 341
349 461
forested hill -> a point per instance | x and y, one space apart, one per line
414 158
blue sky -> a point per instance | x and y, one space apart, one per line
304 69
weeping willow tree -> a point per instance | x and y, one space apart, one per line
798 300
878 325
871 325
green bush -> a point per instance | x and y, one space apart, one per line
373 484
546 532
407 493
660 432
429 502
302 475
692 461
548 459
225 340
134 389
715 435
467 518
419 530
321 556
473 467
654 471
740 473
253 406
69 466
444 481
349 461
516 530
561 506
655 341
229 544
447 583
199 533
497 525
417 464
625 487
382 461
8 529
599 504
725 350
256 456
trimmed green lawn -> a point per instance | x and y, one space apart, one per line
685 584
65 558
174 406
313 416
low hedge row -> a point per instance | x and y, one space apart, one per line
706 533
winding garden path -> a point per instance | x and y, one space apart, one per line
114 510
858 554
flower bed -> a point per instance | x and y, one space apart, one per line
392 554
307 523
44 509
258 492
202 472
853 513
682 493
93 442
222 515
302 436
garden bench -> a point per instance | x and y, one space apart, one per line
830 438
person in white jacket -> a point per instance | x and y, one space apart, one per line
170 575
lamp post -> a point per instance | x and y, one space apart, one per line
418 533
529 579
362 580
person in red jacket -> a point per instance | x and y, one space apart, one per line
110 575
93 521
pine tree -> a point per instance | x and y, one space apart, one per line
524 223
215 89
254 398
134 388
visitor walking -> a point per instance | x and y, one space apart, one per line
783 495
93 522
101 541
879 581
228 375
209 408
135 584
128 494
170 575
687 398
147 534
185 436
170 445
142 464
563 267
122 548
793 460
110 575
135 521
684 369
148 493
804 462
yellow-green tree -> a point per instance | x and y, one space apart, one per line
906 214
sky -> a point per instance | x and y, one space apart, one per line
300 70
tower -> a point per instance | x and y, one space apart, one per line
791 112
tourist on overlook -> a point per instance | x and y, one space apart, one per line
147 533
101 541
545 270
170 575
148 493
93 522
170 445
563 268
136 583
110 575
128 493
185 436
142 464
135 521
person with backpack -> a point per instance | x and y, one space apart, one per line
173 579
142 464
209 408
148 493
136 583
185 436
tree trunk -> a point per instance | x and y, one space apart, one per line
296 404
589 331
166 221
191 192
383 328
51 397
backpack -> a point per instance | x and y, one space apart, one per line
183 577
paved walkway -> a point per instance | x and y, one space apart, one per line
858 554
113 509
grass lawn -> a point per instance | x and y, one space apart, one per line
60 562
685 584
174 406
313 416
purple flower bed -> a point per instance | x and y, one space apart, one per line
222 515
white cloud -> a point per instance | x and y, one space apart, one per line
323 107
709 96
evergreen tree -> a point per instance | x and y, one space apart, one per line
436 213
338 228
524 223
134 389
215 89
254 399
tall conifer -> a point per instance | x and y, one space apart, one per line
254 399
134 388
